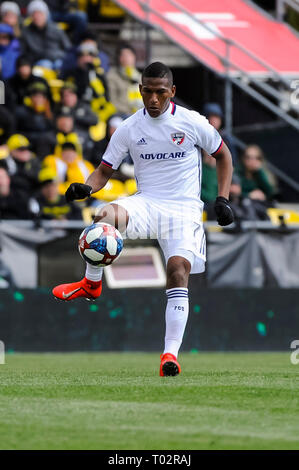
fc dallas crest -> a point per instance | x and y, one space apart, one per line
178 137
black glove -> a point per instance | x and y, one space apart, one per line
77 191
225 215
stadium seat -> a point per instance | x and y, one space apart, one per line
50 75
83 5
88 214
277 216
108 9
3 152
111 191
27 21
47 74
130 186
98 131
63 26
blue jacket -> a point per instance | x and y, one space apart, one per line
8 54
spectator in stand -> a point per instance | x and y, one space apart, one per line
61 11
91 82
83 116
22 165
69 167
124 81
100 147
254 178
245 208
9 51
87 39
53 205
22 80
35 117
7 124
13 204
214 114
63 132
43 41
10 14
209 184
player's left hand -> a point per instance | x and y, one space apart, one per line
225 215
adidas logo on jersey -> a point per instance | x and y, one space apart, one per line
142 141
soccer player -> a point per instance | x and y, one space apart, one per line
165 142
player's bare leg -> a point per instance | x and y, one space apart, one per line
178 270
115 215
90 287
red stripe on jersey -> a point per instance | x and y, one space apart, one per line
106 163
216 151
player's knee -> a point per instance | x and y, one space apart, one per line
176 279
114 215
177 273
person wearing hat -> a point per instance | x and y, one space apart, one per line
214 114
14 203
69 166
10 14
61 11
23 79
124 79
87 38
9 51
35 117
65 131
42 40
83 115
38 92
91 81
21 164
7 126
52 205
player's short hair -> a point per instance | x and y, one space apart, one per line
158 70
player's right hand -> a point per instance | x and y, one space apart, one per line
77 191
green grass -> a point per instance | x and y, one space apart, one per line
117 401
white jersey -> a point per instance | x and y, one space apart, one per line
166 152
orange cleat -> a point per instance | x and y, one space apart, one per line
169 365
85 288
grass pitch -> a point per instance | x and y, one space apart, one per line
117 401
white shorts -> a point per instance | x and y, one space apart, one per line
177 227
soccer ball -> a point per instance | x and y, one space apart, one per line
100 244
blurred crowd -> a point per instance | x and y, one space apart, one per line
64 98
253 189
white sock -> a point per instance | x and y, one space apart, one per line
93 273
176 315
